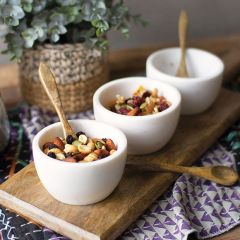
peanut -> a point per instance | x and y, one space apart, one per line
55 150
91 145
70 148
155 93
83 139
76 143
91 157
60 156
84 149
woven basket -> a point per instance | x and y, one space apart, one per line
79 71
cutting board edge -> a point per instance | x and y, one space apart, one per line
41 217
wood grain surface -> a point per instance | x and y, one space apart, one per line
126 62
25 194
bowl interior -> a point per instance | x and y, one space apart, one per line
92 129
127 86
200 64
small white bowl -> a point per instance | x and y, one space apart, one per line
200 90
145 134
80 183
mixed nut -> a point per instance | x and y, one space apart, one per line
79 148
143 102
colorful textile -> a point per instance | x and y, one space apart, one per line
191 206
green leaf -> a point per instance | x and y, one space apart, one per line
32 22
231 136
54 37
98 32
3 2
27 7
11 21
236 146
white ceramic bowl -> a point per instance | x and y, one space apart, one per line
205 71
80 183
145 134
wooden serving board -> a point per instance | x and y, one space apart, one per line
25 195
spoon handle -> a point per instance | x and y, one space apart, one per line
182 34
228 176
49 83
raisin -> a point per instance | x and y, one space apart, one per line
163 106
123 111
80 133
70 139
146 94
52 154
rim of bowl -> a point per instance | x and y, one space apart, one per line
134 118
105 160
152 56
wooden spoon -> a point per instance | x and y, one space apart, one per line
48 81
182 33
219 174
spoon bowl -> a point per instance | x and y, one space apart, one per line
224 175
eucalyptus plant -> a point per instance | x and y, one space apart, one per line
33 22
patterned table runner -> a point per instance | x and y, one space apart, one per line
191 206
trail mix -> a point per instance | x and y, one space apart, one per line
80 148
143 102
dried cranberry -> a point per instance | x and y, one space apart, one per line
146 94
52 154
70 139
137 101
130 102
163 106
80 133
123 111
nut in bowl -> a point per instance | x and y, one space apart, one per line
82 182
145 133
200 90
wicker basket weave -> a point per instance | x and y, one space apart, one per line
79 71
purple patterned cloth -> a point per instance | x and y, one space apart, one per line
191 205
